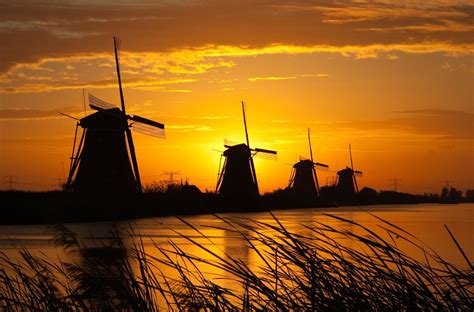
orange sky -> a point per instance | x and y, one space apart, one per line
393 78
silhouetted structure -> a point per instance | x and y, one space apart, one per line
237 179
105 159
347 182
303 177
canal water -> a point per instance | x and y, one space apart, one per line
426 222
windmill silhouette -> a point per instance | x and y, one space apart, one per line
304 178
237 178
105 160
347 181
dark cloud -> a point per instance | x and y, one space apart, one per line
35 30
436 123
449 124
441 124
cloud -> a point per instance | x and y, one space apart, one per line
189 128
253 79
276 78
432 123
314 75
140 84
54 47
36 30
446 124
151 69
34 114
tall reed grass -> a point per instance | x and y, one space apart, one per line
326 269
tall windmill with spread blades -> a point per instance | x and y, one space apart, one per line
237 178
105 159
347 181
304 178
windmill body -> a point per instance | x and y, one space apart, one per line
347 181
238 177
105 160
303 179
237 181
345 184
104 164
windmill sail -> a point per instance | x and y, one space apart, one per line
261 153
262 150
98 104
148 122
148 130
321 166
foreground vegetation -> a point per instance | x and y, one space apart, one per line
330 268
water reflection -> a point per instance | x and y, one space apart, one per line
98 266
108 264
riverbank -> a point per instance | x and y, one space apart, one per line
63 207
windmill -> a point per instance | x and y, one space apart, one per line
347 181
105 160
237 178
304 178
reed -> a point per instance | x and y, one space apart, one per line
327 269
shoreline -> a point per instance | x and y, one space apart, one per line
30 208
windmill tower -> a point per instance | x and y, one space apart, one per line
304 178
105 160
238 179
347 181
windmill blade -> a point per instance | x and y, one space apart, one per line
262 150
358 173
98 104
352 168
148 129
310 148
321 166
264 154
245 124
147 121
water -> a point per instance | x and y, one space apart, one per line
426 222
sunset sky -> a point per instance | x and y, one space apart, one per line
394 79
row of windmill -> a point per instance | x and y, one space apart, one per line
103 158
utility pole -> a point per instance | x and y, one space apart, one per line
171 175
59 183
10 181
395 183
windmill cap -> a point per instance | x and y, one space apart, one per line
305 163
110 118
240 149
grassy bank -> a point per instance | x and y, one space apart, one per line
327 269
